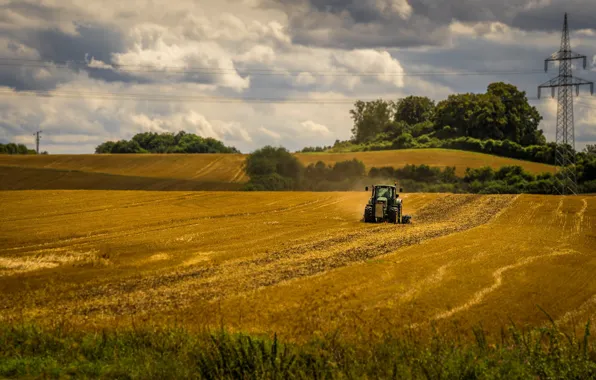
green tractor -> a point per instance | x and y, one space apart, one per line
385 206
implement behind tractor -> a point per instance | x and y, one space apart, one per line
385 206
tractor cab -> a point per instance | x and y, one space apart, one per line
384 194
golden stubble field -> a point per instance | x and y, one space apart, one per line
296 263
191 172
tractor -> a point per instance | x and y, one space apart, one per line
385 206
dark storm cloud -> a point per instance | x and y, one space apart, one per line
581 15
99 42
363 23
109 75
415 32
31 11
475 56
357 24
54 45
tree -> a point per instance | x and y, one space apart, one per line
166 142
124 146
476 115
12 148
522 119
370 118
414 109
269 160
105 147
347 169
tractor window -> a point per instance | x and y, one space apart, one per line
386 192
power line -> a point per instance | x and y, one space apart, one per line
271 72
191 98
184 98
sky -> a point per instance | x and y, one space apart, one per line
267 72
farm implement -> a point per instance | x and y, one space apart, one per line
385 205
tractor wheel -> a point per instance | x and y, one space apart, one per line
368 216
393 216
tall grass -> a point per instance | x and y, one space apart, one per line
59 352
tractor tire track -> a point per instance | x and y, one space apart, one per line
208 283
148 228
497 275
130 205
205 169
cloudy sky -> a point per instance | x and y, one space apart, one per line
256 72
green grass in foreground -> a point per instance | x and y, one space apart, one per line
545 353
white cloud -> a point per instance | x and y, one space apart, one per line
400 7
258 54
586 32
311 128
154 48
305 79
270 133
94 63
192 122
367 61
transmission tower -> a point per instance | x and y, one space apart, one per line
37 138
566 177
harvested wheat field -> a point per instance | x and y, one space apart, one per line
295 263
186 172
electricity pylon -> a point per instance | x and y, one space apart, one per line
566 177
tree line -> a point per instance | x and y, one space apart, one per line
167 142
12 148
275 168
499 121
502 113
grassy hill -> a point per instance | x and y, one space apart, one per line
204 171
432 157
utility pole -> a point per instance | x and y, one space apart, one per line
37 138
566 177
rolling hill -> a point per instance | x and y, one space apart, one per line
203 171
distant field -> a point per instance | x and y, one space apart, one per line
297 263
432 157
203 171
204 167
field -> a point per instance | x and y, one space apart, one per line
432 157
299 264
203 171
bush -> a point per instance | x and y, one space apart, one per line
12 148
167 142
347 169
485 180
270 160
318 149
423 128
124 146
423 140
270 182
405 141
